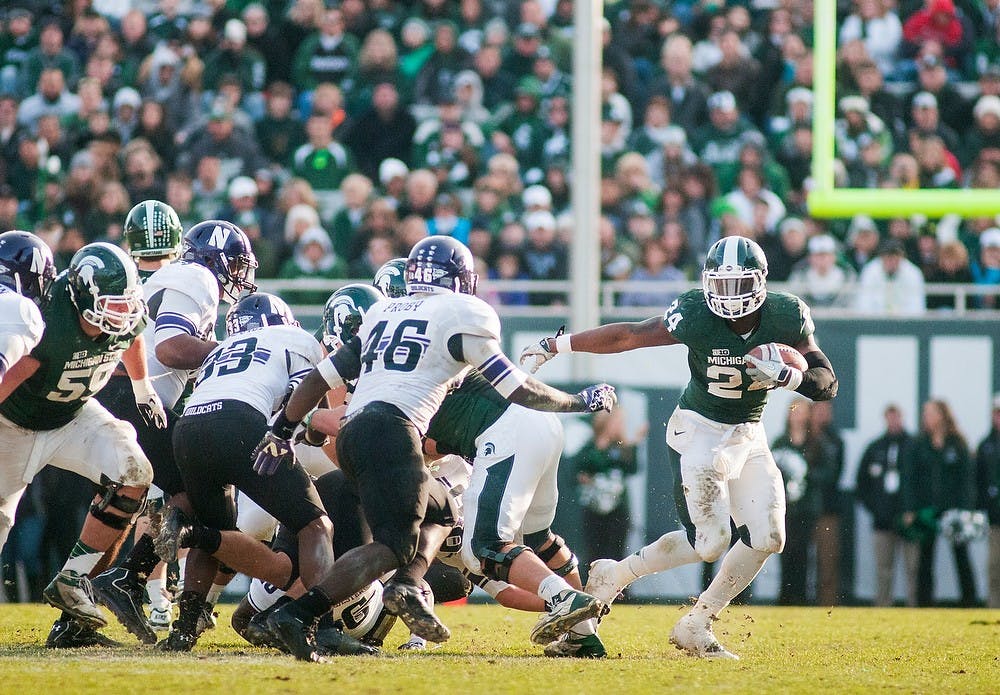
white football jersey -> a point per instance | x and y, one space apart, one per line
255 367
21 326
183 298
405 359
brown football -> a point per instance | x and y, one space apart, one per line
787 353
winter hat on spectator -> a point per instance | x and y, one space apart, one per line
799 94
891 247
83 159
529 86
987 104
990 239
536 196
235 31
674 135
854 103
390 169
723 101
613 113
860 223
541 219
242 186
822 243
929 62
527 30
126 96
925 100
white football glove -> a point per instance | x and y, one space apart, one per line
148 403
772 373
539 352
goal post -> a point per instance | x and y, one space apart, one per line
825 200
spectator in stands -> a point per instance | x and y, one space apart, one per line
988 487
718 142
857 128
329 55
891 284
498 85
421 191
237 151
687 97
933 78
437 76
545 256
877 27
655 266
927 121
942 478
986 268
266 39
169 81
523 132
749 192
938 166
144 175
827 466
736 72
355 195
52 97
323 162
878 490
378 251
448 219
313 258
939 21
50 54
983 139
235 57
278 132
385 130
952 268
243 204
104 222
823 282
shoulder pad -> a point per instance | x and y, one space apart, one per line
476 317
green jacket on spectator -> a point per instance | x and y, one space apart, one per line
323 168
775 177
314 64
247 64
719 147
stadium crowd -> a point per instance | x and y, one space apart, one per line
336 135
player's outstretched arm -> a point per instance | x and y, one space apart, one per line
183 351
612 338
513 384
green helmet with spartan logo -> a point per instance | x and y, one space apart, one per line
104 287
345 310
153 230
389 278
734 277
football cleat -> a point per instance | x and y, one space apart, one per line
569 608
207 619
296 629
577 647
120 590
73 634
415 643
259 634
413 604
601 581
74 594
695 637
332 641
174 528
177 641
160 618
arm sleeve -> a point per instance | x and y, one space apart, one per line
179 314
819 383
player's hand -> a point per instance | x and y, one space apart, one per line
769 374
272 453
599 397
539 353
149 405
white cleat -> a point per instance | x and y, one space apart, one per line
696 638
601 581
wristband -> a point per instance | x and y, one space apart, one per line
563 343
142 388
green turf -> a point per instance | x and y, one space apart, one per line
782 649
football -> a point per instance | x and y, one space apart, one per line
786 353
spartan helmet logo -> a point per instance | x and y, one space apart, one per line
342 310
86 269
383 280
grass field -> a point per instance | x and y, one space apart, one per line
783 650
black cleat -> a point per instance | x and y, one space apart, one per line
332 641
174 530
295 629
177 641
120 591
259 634
74 634
413 604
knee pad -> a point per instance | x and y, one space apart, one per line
496 563
713 543
110 497
447 583
538 539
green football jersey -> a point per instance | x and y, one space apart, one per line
73 367
719 388
464 414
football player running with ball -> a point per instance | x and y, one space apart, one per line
94 316
412 350
723 468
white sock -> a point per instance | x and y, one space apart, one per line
82 559
587 627
156 589
739 566
666 552
416 639
552 585
214 593
181 564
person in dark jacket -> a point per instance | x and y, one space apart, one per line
826 461
939 478
988 486
878 490
385 130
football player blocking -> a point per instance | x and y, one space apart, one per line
411 350
718 451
